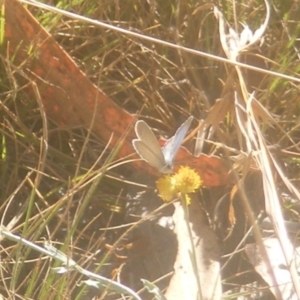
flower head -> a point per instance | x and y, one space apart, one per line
184 181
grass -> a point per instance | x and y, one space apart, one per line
65 192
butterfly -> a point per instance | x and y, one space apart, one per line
148 148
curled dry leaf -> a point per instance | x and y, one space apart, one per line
71 99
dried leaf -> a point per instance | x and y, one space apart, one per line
183 284
281 286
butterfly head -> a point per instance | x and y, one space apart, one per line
167 169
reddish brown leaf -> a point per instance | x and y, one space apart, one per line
71 99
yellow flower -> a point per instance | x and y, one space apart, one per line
166 187
188 180
184 181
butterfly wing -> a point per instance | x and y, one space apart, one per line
145 133
172 146
153 158
147 146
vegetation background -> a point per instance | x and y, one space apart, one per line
84 209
